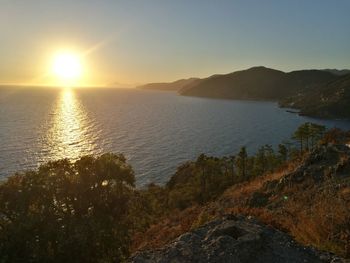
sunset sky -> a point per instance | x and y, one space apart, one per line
132 42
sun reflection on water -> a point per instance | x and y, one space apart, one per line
69 133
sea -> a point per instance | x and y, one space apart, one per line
156 130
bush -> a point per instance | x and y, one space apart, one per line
75 212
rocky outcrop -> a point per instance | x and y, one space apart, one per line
234 239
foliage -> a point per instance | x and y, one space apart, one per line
65 211
308 134
299 211
86 211
206 178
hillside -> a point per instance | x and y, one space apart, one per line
266 207
257 83
172 86
330 100
254 83
318 93
309 198
339 72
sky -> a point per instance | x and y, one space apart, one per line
133 42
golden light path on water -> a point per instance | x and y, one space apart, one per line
70 135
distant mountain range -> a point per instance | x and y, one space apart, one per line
338 72
314 92
172 86
258 83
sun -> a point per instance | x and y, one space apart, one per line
67 67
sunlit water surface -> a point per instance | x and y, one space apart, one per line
156 131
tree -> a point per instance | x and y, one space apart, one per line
241 162
260 161
316 133
283 152
229 166
201 163
76 212
306 132
298 135
265 160
302 136
232 159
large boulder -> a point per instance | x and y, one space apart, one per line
234 239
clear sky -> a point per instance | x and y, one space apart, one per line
142 41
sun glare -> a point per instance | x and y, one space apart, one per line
67 67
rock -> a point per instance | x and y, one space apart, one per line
234 239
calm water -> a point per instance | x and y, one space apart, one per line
156 131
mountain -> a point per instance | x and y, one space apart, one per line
257 83
319 93
330 100
338 72
172 86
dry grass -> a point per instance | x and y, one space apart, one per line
247 188
317 215
323 221
166 229
180 222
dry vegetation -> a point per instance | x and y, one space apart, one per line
54 213
315 213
